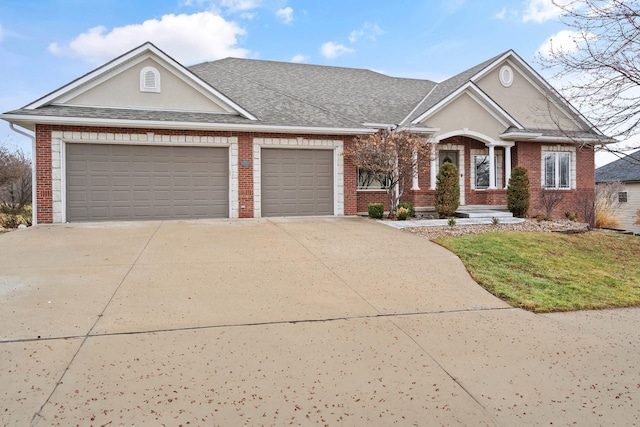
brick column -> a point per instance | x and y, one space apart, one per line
245 176
44 195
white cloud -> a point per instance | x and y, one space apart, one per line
230 5
189 39
540 11
502 14
565 41
285 15
299 58
371 31
333 50
240 5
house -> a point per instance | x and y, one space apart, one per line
143 136
625 170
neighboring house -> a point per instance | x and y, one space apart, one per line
627 171
145 137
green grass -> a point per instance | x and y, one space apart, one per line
545 272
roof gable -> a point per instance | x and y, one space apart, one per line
117 84
481 102
551 109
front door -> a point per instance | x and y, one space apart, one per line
452 156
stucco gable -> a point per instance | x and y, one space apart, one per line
469 112
120 84
528 99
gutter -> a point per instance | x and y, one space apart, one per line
34 199
159 124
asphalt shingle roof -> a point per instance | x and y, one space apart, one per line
626 169
283 92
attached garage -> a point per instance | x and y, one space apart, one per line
296 182
123 182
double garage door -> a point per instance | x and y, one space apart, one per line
123 182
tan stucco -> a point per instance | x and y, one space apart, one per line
123 91
466 113
523 101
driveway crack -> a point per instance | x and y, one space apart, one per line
38 415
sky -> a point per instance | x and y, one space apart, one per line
45 44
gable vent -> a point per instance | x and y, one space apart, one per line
149 80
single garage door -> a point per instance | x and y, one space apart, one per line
120 182
296 182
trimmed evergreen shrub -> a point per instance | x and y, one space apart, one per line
447 197
518 192
408 206
376 210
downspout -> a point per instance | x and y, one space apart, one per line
34 199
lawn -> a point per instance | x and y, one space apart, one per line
546 272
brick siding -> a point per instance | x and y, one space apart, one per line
527 154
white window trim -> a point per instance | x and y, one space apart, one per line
498 158
572 165
143 80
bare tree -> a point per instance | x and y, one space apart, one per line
392 158
549 199
600 66
15 186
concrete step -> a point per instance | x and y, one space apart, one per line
483 213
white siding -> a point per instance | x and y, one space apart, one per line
628 211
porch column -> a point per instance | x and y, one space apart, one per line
416 185
434 165
507 166
492 168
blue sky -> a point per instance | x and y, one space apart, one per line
45 44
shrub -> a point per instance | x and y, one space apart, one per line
408 206
518 193
607 204
638 218
402 213
447 197
452 221
376 210
549 199
571 216
495 221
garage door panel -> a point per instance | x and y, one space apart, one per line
135 182
296 182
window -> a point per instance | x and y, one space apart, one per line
622 197
149 80
368 181
557 170
482 171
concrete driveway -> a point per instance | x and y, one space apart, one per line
301 321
